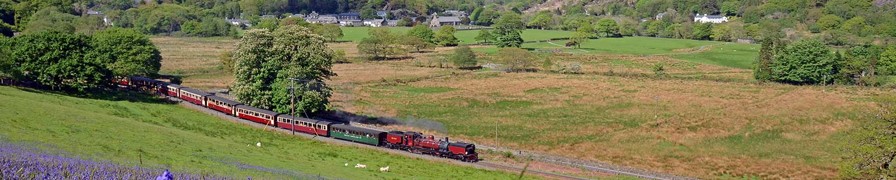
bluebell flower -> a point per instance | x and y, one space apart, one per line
165 176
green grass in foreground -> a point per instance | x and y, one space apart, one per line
175 137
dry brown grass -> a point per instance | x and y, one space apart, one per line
681 126
196 60
702 120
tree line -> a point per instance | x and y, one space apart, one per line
810 61
834 22
78 62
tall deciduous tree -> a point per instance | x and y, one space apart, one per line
541 20
8 67
126 52
858 64
329 31
301 54
804 62
380 44
508 29
445 36
484 36
266 61
423 32
702 31
58 60
829 22
255 70
607 27
887 63
872 149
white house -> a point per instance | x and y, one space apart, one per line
706 18
375 22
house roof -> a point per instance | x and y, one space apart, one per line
350 14
449 19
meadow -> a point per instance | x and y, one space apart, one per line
133 129
704 116
687 126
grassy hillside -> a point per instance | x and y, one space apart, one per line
169 136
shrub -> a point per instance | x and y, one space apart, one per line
463 57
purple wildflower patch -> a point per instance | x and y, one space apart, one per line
19 163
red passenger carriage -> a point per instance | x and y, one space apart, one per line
255 114
305 125
194 96
224 105
172 90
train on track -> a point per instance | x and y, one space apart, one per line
409 141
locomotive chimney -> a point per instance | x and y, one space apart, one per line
446 139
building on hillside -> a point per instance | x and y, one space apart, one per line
238 22
375 22
323 19
312 15
382 14
349 16
269 17
439 21
706 18
455 13
298 16
351 23
106 20
660 16
391 23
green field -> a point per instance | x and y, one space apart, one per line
707 52
355 34
171 136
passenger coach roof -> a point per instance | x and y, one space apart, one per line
224 100
264 111
195 91
353 128
307 119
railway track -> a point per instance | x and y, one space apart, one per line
482 164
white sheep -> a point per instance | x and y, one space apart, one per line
346 164
384 169
258 144
360 166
